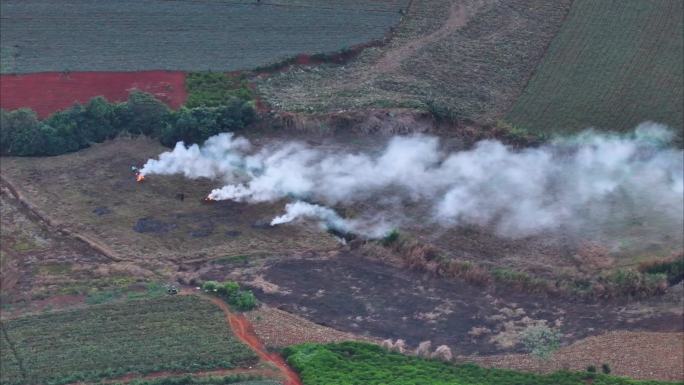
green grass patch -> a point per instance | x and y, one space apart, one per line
215 89
183 333
360 363
613 65
237 379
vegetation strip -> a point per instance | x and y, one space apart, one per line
361 363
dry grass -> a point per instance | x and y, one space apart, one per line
69 189
277 328
638 355
469 57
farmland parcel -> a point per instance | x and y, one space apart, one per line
182 333
121 35
613 65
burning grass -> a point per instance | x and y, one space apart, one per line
183 333
70 187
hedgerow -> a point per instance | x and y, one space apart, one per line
22 134
362 363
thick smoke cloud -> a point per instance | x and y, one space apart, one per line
567 182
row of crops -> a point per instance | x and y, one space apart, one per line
613 65
183 333
121 35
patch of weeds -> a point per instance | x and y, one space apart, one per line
673 269
153 290
55 269
390 238
96 296
214 89
232 259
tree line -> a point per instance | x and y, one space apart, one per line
23 134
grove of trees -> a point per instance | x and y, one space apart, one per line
23 134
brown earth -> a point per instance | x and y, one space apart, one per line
639 355
279 329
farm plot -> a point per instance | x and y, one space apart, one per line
463 59
183 333
613 65
37 262
93 192
124 35
46 93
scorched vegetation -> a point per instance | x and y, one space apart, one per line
182 333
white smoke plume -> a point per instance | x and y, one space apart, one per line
577 180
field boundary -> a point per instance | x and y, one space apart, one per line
13 349
46 219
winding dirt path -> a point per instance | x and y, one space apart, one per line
243 330
459 15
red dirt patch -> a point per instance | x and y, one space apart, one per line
48 92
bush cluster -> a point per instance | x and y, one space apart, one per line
23 134
242 300
215 89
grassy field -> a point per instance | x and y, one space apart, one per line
359 363
124 35
94 192
613 65
182 333
469 59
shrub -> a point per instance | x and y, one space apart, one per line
605 368
390 238
244 300
673 268
541 341
210 286
230 291
591 369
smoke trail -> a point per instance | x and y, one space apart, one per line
573 182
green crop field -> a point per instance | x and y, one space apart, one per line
361 363
183 333
121 35
613 65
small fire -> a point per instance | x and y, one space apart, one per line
139 177
208 199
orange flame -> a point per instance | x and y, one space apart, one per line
139 177
208 199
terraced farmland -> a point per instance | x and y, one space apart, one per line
171 333
614 64
126 35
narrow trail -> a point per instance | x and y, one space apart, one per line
244 331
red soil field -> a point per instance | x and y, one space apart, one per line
48 92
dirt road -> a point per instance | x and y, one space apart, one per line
244 332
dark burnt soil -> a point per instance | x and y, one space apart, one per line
353 294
